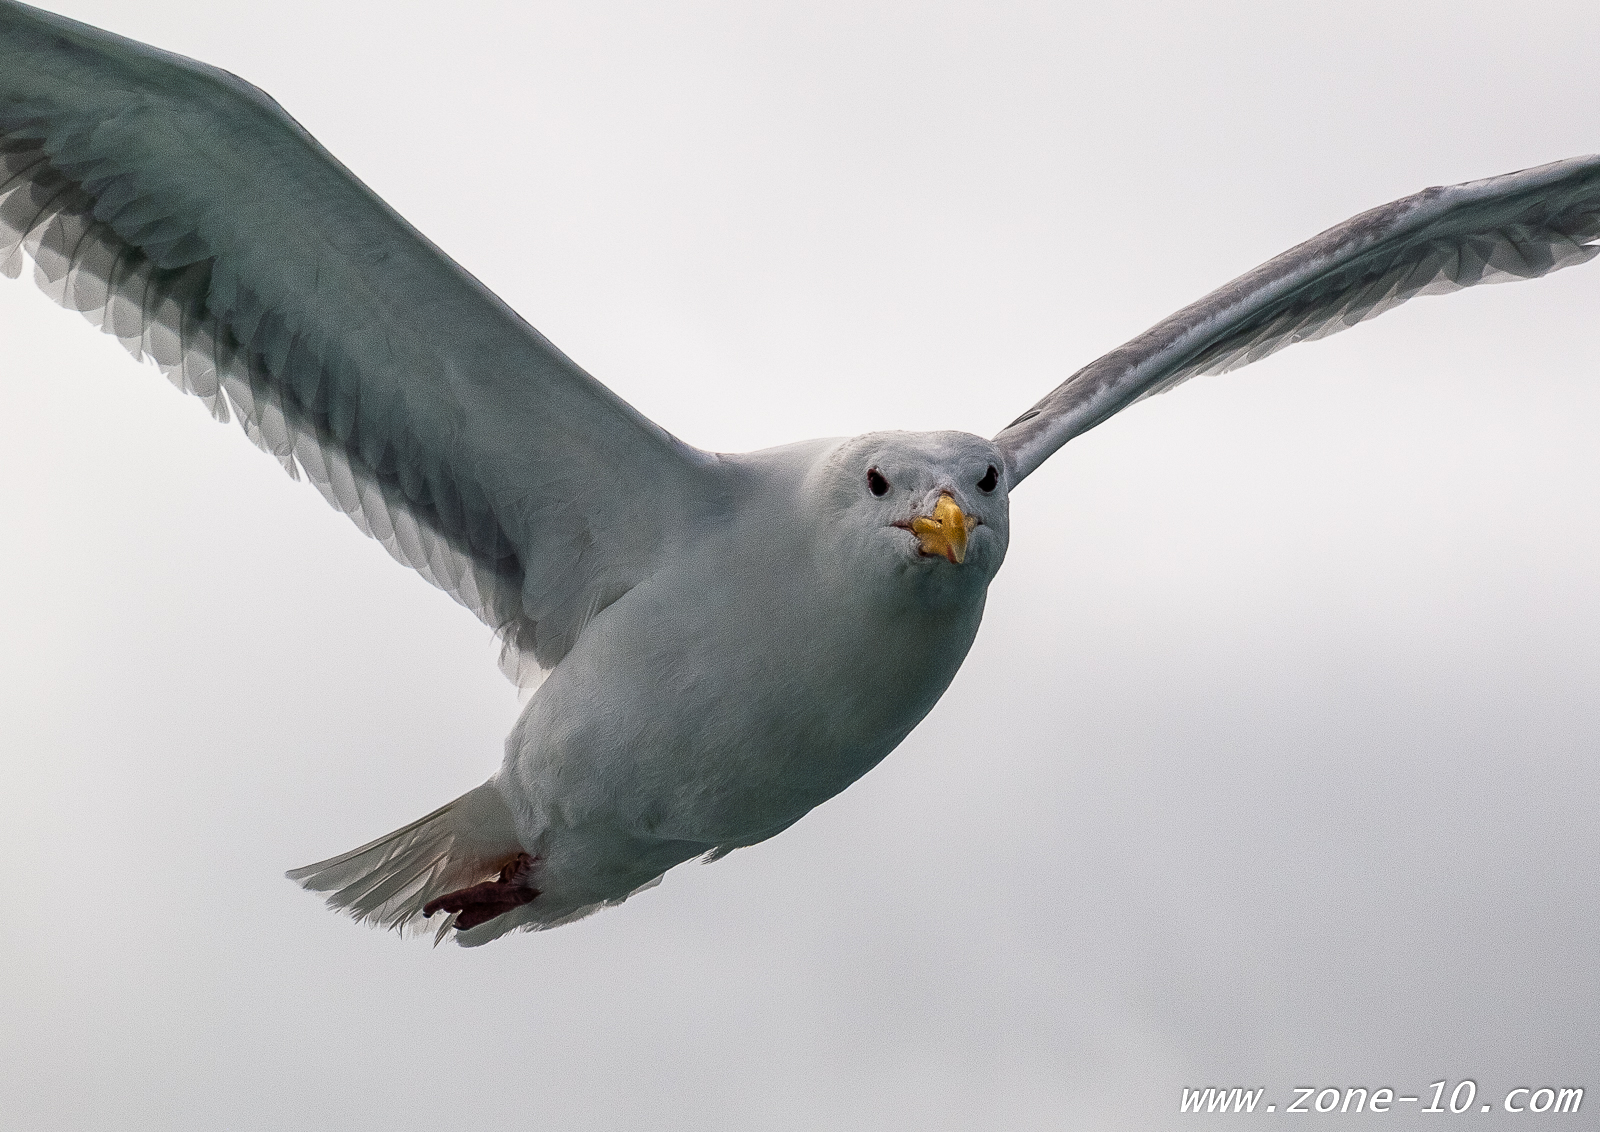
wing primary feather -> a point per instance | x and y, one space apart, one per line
19 212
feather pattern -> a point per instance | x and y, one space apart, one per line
1501 229
182 211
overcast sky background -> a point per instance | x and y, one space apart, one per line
1273 765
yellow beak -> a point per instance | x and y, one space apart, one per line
946 532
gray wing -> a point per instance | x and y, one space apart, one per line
1519 226
183 211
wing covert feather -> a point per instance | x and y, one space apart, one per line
1501 229
180 209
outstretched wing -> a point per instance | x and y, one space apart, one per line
1519 226
182 210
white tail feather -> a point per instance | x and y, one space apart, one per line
386 882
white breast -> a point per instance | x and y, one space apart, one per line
719 701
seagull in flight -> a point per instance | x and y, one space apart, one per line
715 643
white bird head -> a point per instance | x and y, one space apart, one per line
927 509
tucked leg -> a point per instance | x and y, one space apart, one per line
483 902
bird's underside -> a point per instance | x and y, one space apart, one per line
183 211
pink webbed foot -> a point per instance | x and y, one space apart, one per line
483 902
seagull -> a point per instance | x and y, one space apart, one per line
713 643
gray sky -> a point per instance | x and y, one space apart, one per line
1273 765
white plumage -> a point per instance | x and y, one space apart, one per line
729 639
791 640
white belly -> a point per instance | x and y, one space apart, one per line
675 726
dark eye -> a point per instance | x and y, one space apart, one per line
990 480
876 483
